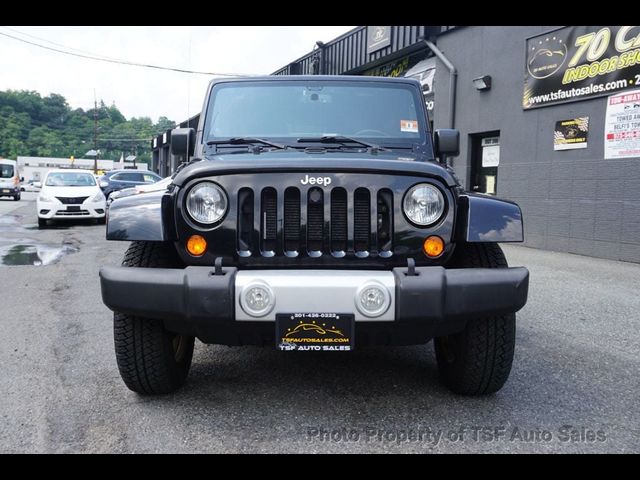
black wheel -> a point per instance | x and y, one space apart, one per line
477 361
101 221
42 223
151 360
16 197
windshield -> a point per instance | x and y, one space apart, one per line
70 179
384 113
6 171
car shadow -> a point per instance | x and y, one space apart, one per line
292 374
399 384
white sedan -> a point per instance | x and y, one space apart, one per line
70 194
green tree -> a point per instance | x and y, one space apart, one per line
47 126
44 142
163 125
54 110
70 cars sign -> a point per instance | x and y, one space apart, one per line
575 63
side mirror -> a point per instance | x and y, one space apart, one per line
104 184
37 184
183 141
446 142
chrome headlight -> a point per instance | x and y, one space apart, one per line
206 203
423 204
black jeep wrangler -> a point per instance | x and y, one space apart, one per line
311 215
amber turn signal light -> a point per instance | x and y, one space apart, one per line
433 246
196 245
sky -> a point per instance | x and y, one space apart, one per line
139 91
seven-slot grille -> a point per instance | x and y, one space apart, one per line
72 200
314 221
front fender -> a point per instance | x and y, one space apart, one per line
482 218
146 216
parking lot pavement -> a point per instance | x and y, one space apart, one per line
8 205
574 386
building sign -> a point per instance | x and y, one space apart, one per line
571 134
622 126
576 63
378 38
392 69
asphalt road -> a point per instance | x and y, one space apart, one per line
574 386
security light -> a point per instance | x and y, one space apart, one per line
482 83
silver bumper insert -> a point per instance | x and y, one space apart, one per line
314 291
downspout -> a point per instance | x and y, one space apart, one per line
453 75
321 69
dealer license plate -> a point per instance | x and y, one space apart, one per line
73 208
315 332
6 190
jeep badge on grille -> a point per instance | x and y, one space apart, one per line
324 181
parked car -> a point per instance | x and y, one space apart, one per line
150 187
9 180
70 194
119 179
31 186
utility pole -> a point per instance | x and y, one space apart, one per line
95 132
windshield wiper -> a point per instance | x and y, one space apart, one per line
247 141
342 140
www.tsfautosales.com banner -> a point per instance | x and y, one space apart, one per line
575 63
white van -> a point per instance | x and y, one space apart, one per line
9 180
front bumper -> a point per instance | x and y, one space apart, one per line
198 301
9 191
60 211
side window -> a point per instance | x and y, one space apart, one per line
117 177
129 177
148 178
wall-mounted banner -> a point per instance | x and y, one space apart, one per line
425 71
571 134
576 63
622 126
414 66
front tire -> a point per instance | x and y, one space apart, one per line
16 197
42 223
151 360
477 361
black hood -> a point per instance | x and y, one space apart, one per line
384 163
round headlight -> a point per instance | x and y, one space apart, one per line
423 204
207 203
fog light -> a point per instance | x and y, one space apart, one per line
433 246
372 299
196 245
257 299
